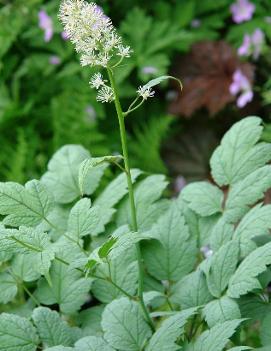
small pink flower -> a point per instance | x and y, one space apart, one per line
54 60
46 24
242 10
252 44
242 86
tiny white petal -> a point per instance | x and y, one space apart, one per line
145 93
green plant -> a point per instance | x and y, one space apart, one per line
167 274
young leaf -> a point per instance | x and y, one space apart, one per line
244 279
162 259
203 198
221 267
52 329
236 157
86 168
62 175
17 333
255 223
29 205
116 190
92 343
221 310
8 288
124 326
159 80
67 289
246 192
217 337
172 328
191 291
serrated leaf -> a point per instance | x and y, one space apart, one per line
124 325
217 337
159 80
22 266
90 320
203 198
246 192
17 334
52 329
162 259
221 233
191 291
86 167
255 223
254 307
116 190
124 273
173 327
237 157
29 205
221 267
8 288
37 244
68 289
147 192
83 219
221 310
244 279
62 175
265 331
92 343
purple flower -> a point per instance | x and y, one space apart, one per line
242 86
149 70
46 23
242 10
54 60
64 35
179 184
252 44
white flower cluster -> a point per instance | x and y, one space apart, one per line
105 93
145 93
92 33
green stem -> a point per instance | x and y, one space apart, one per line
131 194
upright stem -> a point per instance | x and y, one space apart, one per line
131 194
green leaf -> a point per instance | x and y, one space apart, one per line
62 175
221 234
92 343
17 333
237 156
255 223
116 190
124 326
246 192
254 307
124 273
162 259
29 205
90 320
83 219
203 198
217 337
244 279
159 80
172 328
147 192
68 289
60 348
191 291
221 310
52 329
22 266
221 267
86 168
37 245
8 288
265 331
